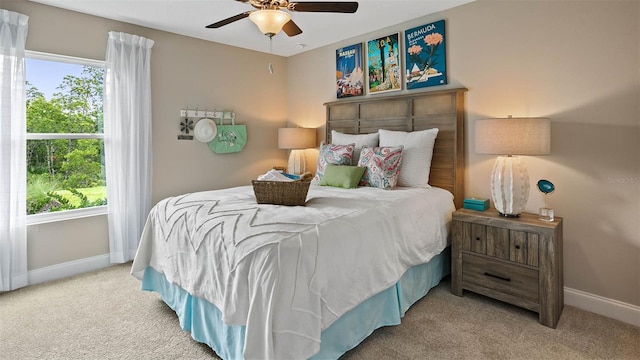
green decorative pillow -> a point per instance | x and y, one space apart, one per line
343 176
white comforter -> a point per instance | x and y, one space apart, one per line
287 273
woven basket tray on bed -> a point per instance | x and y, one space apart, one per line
290 193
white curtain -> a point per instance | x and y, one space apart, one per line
127 130
13 153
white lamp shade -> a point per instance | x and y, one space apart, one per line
513 136
270 22
296 138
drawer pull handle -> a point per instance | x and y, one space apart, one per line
518 247
478 238
497 277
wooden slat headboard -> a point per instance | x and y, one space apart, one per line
411 112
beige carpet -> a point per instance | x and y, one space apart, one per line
104 315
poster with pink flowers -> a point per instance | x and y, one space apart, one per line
425 59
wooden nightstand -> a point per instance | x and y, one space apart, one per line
515 260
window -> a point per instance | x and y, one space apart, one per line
65 139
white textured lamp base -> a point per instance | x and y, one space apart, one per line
509 185
297 162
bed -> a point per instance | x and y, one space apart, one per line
259 281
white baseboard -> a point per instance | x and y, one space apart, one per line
67 269
614 309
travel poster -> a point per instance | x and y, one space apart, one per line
349 73
425 56
383 64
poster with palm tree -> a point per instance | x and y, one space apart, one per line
426 63
383 64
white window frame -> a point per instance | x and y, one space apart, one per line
75 213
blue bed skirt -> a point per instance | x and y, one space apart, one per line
204 320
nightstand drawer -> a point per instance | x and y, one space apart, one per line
517 246
500 276
486 240
523 247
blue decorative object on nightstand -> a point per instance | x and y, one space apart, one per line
546 187
476 204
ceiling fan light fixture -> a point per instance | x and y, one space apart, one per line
270 22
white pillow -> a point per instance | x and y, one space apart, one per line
416 154
370 140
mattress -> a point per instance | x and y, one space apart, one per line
287 273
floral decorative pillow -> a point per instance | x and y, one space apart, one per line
382 166
359 140
332 154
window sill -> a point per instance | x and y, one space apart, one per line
66 215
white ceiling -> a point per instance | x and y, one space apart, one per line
189 18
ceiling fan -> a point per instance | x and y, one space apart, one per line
270 18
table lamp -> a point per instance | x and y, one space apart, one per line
296 140
508 137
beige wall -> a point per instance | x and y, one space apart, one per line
576 62
186 72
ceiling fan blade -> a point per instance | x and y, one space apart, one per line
323 6
291 29
229 20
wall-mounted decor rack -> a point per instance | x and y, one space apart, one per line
206 114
